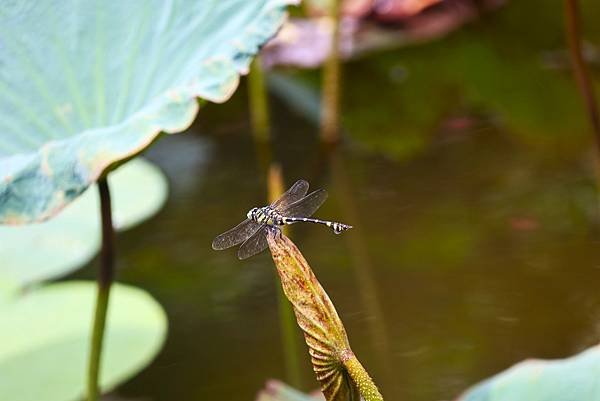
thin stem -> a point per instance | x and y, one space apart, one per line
305 7
259 103
289 339
105 278
330 104
573 31
287 320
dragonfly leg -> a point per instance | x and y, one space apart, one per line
275 231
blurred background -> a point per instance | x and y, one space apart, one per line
467 167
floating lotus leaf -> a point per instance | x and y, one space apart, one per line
45 340
37 252
574 378
85 84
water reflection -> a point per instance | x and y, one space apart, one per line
481 254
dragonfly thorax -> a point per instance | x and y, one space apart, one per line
265 215
252 214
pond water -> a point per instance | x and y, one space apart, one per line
467 171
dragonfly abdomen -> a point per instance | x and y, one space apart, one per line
334 225
268 215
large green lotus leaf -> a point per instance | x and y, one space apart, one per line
85 84
46 333
37 252
574 378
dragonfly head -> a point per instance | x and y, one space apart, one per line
252 213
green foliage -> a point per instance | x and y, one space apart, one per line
45 340
574 378
87 84
38 252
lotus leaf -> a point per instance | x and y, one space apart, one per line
37 252
45 340
574 378
85 84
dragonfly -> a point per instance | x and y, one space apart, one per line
292 207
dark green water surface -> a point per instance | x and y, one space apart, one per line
467 170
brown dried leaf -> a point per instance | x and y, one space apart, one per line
335 366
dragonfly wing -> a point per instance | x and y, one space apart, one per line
306 206
236 235
295 193
255 244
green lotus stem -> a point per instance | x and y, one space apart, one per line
259 102
286 313
331 84
105 278
580 70
305 8
366 387
288 339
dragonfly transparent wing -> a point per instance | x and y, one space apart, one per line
236 235
306 206
255 244
295 193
